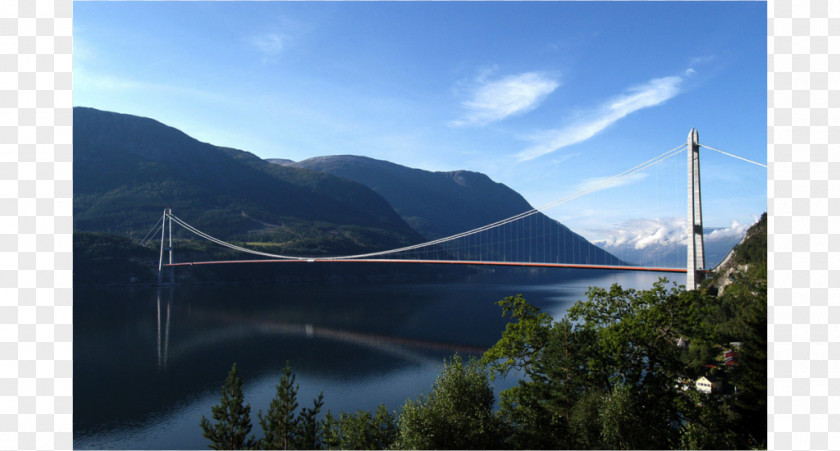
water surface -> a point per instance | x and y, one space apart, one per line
148 363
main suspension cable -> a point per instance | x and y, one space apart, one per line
735 156
192 229
582 192
593 187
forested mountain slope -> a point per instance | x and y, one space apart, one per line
127 169
439 204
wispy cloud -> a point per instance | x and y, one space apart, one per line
652 93
494 100
269 44
599 183
86 79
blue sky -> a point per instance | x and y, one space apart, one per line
544 97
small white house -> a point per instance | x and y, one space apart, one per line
708 384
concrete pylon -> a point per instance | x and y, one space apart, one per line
696 257
162 247
171 248
167 215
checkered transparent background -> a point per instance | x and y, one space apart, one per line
804 222
36 189
36 224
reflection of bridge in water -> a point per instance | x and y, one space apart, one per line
243 326
495 244
163 346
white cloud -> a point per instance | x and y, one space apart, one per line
645 233
599 183
492 101
269 44
650 94
662 242
641 233
735 229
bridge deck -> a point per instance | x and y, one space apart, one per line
440 262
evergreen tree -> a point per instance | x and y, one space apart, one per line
232 416
309 428
385 427
331 428
280 425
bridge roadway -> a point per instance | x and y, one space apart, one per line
439 262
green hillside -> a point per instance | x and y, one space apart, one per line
127 169
747 260
439 204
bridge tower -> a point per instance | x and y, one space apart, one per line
696 259
167 212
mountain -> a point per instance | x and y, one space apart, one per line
280 161
747 259
436 204
440 204
127 169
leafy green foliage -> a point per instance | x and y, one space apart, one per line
614 355
618 370
456 414
590 377
713 424
585 421
360 430
748 325
232 418
523 339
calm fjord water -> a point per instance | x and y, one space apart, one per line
149 363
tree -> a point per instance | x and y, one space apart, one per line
282 427
279 424
557 360
585 421
612 357
360 430
748 325
712 424
523 337
619 420
309 428
456 414
233 418
331 431
550 356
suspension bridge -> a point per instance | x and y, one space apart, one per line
528 239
